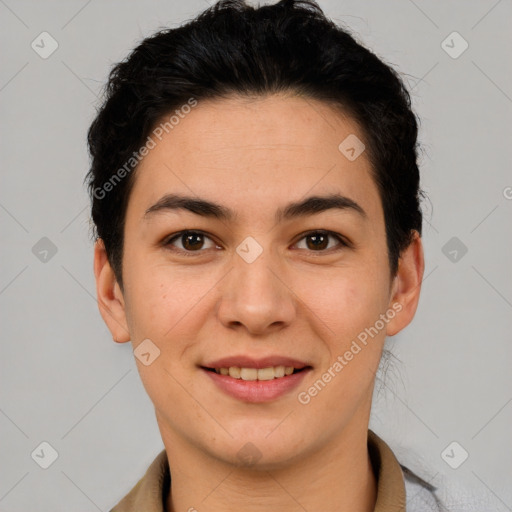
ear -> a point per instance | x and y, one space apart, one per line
406 286
110 298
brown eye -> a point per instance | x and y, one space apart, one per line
190 241
318 241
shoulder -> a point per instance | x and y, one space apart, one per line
445 496
421 496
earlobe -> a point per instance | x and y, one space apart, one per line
109 296
407 286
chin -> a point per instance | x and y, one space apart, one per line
258 457
259 447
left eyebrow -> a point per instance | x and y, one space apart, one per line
308 206
195 205
317 204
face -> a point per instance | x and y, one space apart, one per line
238 267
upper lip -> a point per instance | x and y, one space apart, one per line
250 362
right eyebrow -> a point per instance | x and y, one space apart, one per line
192 204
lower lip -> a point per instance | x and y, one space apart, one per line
257 390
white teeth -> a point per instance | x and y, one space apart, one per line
248 373
272 372
234 372
266 373
279 372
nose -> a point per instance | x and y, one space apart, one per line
255 296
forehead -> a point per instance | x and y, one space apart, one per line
251 152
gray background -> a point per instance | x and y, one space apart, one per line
63 379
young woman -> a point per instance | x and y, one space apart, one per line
255 193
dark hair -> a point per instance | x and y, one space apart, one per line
232 48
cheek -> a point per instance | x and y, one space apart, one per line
164 309
167 305
346 302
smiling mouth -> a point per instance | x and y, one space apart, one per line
252 374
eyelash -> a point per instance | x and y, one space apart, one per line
168 241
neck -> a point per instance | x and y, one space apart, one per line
338 476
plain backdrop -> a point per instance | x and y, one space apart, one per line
64 381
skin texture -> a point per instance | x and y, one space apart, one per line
255 156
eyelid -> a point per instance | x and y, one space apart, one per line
175 236
343 242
